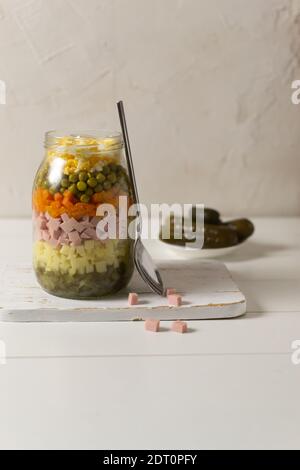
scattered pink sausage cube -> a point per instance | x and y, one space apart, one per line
175 300
133 299
152 325
179 326
171 291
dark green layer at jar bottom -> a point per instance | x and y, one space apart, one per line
89 286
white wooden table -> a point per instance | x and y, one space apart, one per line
228 384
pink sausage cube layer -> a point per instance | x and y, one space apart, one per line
175 300
46 235
179 326
74 238
171 291
133 299
152 325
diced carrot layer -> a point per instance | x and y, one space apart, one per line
58 204
58 196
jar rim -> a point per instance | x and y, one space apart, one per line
67 138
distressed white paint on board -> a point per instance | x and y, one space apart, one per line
208 293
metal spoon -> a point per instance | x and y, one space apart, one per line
142 259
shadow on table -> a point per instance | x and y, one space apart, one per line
251 250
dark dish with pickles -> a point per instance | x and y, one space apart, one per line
217 234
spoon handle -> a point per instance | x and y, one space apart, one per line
130 164
128 151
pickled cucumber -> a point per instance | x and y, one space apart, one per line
217 234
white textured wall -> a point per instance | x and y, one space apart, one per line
206 84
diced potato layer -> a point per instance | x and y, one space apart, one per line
91 256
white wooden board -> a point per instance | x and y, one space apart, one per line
208 292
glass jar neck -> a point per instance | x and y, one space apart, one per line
96 141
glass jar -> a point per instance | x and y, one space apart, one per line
80 172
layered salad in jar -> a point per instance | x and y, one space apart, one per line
79 173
